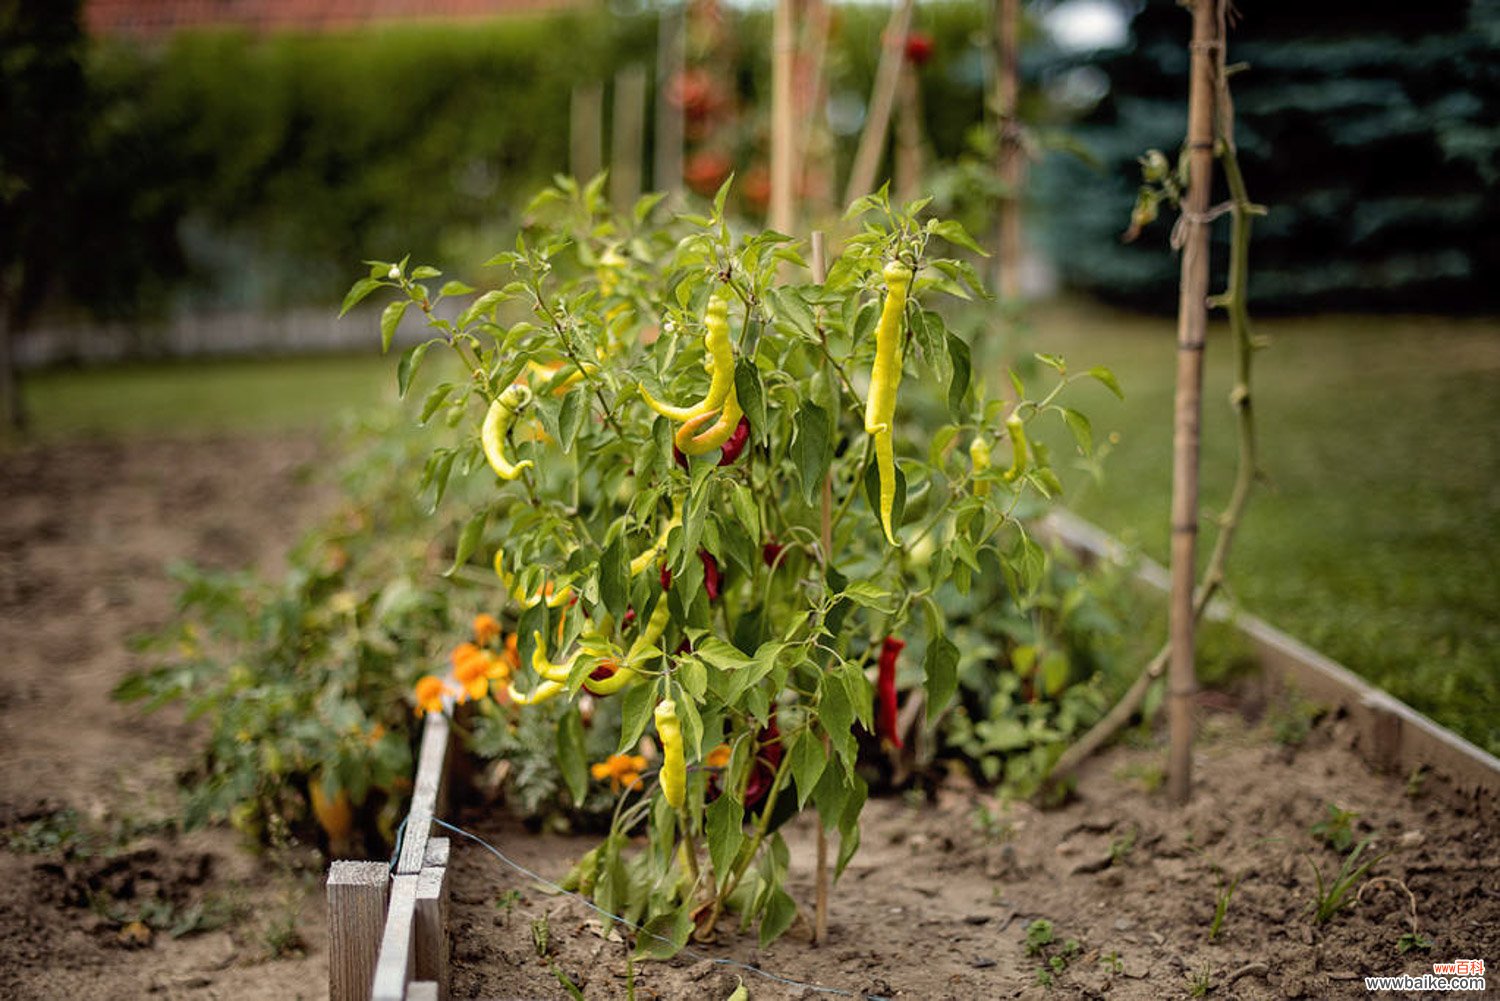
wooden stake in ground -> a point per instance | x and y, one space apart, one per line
882 100
783 208
908 166
585 130
629 114
1011 166
1192 322
666 173
820 906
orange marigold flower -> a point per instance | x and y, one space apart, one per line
472 672
622 770
429 693
486 628
512 652
718 757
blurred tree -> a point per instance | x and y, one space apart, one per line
1370 128
42 102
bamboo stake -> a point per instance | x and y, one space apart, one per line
882 100
1192 321
1236 302
813 87
585 128
782 214
629 115
909 134
820 906
667 156
1011 165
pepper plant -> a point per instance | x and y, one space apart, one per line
710 508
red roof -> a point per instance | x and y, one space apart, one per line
155 17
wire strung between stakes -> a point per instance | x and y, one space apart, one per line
641 929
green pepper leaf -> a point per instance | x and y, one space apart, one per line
958 387
724 820
390 319
570 419
812 449
940 671
468 541
751 394
571 757
614 578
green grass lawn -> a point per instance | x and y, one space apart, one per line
205 397
1376 536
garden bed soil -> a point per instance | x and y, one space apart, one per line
937 902
87 533
935 905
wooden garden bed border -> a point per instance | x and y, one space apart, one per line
388 927
1389 735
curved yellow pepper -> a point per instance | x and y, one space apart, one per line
554 600
497 423
979 456
673 763
720 363
691 441
541 693
885 378
644 561
1019 461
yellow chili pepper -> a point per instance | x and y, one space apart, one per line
497 423
720 363
553 598
885 378
673 764
979 455
1019 460
645 560
541 693
691 441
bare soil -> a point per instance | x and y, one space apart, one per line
87 534
935 905
938 900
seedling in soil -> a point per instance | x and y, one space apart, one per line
1413 940
567 982
1293 720
1038 936
541 936
1111 962
1147 777
1121 847
1337 830
1333 895
507 903
1221 902
1414 782
993 825
1200 982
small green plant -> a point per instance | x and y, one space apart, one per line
1337 829
1333 895
1111 961
1225 894
507 903
567 983
1121 847
1292 719
1038 936
1200 982
1413 940
1148 776
541 936
1414 782
993 824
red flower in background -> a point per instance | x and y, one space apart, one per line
757 187
919 46
706 170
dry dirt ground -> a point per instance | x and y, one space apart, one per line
87 532
935 905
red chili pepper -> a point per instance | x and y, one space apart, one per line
919 46
766 762
771 552
666 577
629 618
679 457
603 671
710 574
885 690
736 444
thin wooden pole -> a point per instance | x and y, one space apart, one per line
357 894
585 130
627 135
666 174
909 134
882 100
782 216
820 907
811 91
1192 322
1011 165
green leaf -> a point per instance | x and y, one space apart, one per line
570 419
791 314
953 231
872 493
406 369
357 293
468 540
1054 672
455 287
745 511
1083 432
435 399
940 671
1107 377
836 712
958 387
812 449
614 578
422 271
807 764
752 397
390 320
572 759
635 713
1052 361
724 820
781 911
665 934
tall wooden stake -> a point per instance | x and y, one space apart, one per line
666 173
820 907
1011 166
1192 321
629 116
585 130
783 208
882 100
908 166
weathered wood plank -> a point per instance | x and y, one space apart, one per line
357 894
397 962
423 990
426 793
432 926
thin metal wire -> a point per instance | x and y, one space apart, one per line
686 951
